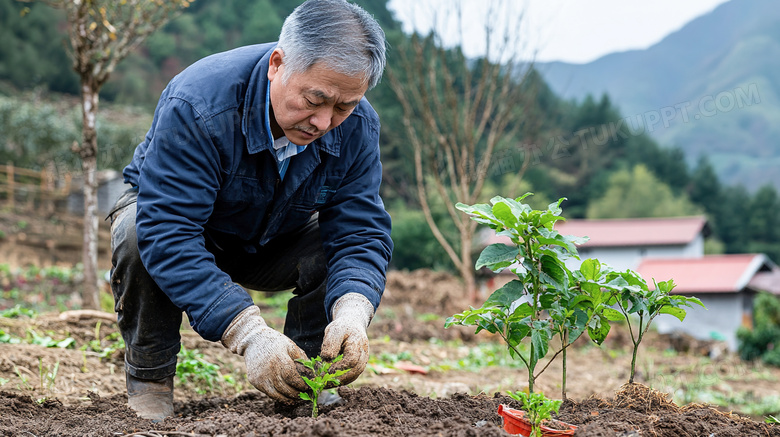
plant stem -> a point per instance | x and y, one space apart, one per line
534 315
563 376
636 348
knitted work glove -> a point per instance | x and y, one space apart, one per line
269 356
346 335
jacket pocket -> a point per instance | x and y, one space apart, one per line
240 207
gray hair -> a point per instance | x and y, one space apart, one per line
340 34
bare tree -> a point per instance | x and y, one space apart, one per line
456 112
101 34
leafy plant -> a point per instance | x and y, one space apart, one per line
106 347
321 379
546 299
538 407
637 299
8 338
762 341
16 311
46 341
193 368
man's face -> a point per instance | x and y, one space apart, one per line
311 103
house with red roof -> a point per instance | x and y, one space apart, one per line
624 243
673 248
725 284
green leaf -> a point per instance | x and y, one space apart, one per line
305 396
676 312
497 256
612 314
479 210
590 269
504 214
579 323
555 271
64 344
518 331
598 330
504 296
540 338
691 299
521 198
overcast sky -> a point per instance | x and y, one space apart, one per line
575 31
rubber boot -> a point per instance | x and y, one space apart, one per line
150 399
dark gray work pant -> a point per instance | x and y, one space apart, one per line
150 322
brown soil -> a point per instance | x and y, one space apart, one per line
634 411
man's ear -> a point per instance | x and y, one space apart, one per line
275 63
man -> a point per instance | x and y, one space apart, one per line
262 169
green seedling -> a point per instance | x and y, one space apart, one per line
322 378
547 299
204 376
25 386
105 347
48 378
771 419
538 407
46 341
638 300
8 338
16 311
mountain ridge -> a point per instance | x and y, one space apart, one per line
718 72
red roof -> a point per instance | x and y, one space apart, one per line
709 274
635 232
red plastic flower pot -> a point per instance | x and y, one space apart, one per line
516 423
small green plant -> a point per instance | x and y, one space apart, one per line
17 311
771 419
25 386
192 368
762 340
105 347
46 341
637 299
8 338
547 299
322 378
48 378
538 407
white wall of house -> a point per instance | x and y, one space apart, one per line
629 257
719 321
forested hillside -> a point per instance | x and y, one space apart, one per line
579 150
710 88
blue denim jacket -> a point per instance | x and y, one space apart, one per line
207 170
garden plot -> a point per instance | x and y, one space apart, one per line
461 380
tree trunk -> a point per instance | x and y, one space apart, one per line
88 154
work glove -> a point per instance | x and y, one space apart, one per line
269 356
346 335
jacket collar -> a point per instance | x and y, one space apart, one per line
255 115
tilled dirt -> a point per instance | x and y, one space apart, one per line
634 411
88 398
